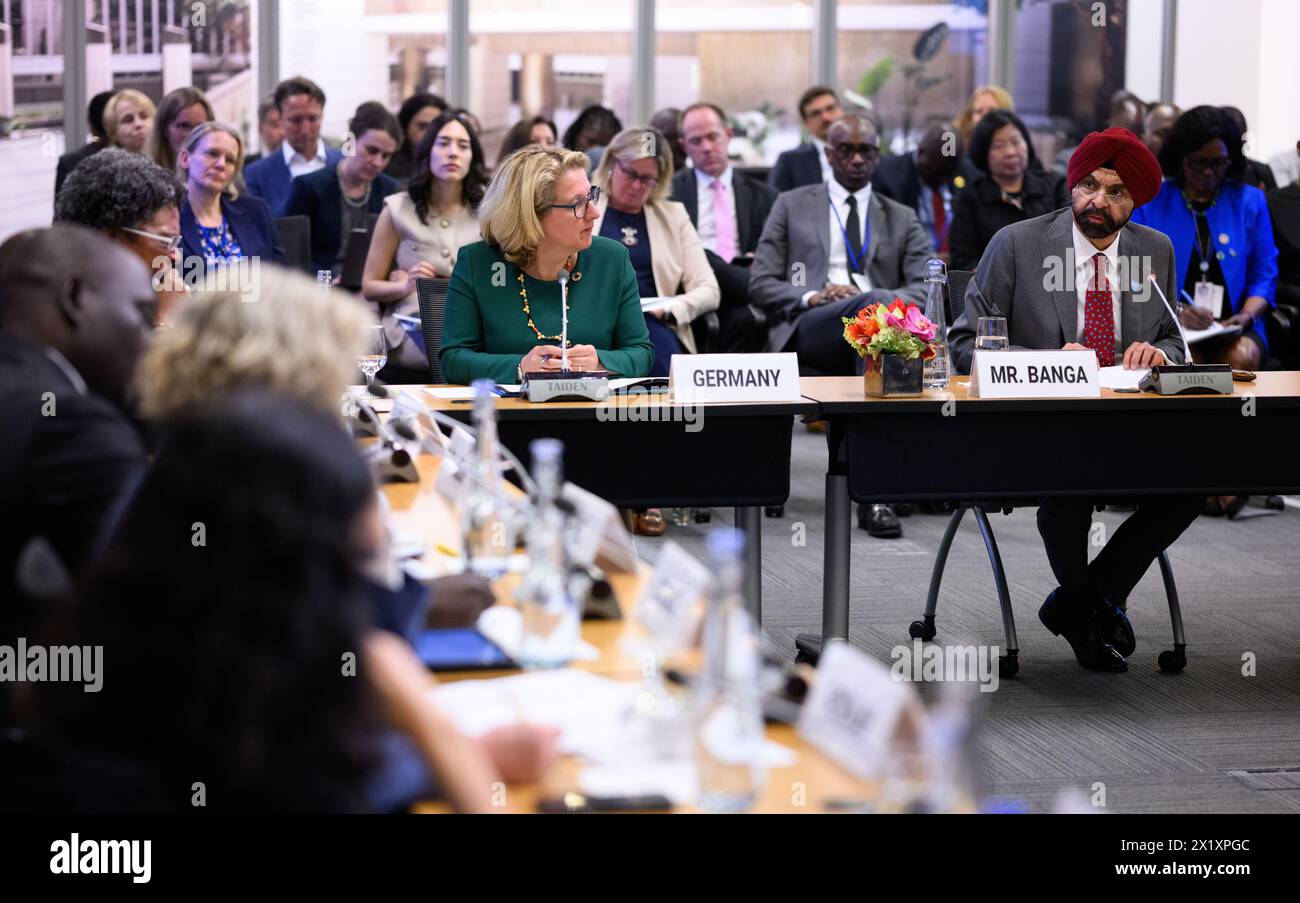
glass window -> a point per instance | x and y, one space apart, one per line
31 111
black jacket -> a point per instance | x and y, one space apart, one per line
795 168
754 202
979 212
71 160
318 197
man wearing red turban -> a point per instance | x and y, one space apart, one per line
1077 278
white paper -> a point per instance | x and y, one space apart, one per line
1209 332
623 382
1118 378
649 304
454 394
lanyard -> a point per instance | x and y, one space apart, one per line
848 248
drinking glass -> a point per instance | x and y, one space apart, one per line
991 334
375 355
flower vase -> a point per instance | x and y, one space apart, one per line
893 376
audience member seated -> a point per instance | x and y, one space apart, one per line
1221 233
301 103
591 133
98 140
538 130
820 259
180 113
218 224
270 132
1012 187
1111 174
342 197
253 623
1284 211
927 180
413 118
669 123
728 210
75 315
1160 119
819 108
984 100
420 233
128 120
633 177
1127 111
1258 173
503 306
135 202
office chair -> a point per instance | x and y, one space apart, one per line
1170 661
294 233
433 300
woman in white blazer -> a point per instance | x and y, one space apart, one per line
635 175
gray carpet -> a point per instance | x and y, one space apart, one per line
1158 742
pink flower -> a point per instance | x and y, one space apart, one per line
918 325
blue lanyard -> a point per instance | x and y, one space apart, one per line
848 248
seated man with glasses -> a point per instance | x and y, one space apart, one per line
503 311
1105 252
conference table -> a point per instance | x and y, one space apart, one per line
945 446
812 783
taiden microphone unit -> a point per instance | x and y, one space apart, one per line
1189 378
565 384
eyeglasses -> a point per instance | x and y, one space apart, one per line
171 242
1203 164
869 152
579 207
1116 195
640 180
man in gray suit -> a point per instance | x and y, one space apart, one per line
819 259
1077 279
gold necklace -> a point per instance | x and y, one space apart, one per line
523 293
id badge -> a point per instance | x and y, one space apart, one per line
1210 297
861 281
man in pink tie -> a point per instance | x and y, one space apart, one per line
728 209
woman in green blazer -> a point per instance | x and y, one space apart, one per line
503 315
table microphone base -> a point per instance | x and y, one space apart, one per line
566 385
1189 379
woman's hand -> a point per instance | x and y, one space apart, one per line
422 270
522 753
583 357
1196 317
542 357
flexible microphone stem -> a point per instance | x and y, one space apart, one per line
564 320
1187 349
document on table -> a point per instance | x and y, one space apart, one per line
1118 378
1214 330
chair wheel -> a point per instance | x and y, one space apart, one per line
1172 661
1008 665
922 630
774 511
703 515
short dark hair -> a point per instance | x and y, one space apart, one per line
703 105
1193 129
95 113
414 104
982 138
812 94
265 106
373 116
520 135
116 189
292 87
596 117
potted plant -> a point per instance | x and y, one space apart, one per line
896 340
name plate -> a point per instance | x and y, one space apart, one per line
1034 374
734 377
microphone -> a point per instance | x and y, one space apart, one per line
564 320
1187 349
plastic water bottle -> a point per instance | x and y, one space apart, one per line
936 369
729 717
485 523
551 612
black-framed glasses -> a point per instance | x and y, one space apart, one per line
640 180
869 152
1205 164
579 207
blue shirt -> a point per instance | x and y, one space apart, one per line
630 230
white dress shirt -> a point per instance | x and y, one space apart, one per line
837 257
300 165
704 206
1084 273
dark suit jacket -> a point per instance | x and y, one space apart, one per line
269 178
1284 208
898 178
59 475
979 213
754 202
250 222
318 197
71 160
795 168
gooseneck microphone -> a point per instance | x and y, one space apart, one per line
564 320
1187 349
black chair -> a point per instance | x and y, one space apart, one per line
924 629
707 330
433 300
294 233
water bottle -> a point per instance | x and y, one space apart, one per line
936 369
485 524
729 716
551 612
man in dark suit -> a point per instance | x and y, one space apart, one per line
301 103
99 139
728 210
819 108
927 180
75 315
1111 173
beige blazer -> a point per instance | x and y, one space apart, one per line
681 271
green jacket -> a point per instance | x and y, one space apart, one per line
485 332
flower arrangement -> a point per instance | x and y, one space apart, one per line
899 328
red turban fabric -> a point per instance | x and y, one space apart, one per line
1120 150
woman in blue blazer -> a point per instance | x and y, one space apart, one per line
218 224
342 197
1221 232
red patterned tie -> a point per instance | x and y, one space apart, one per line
1099 316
